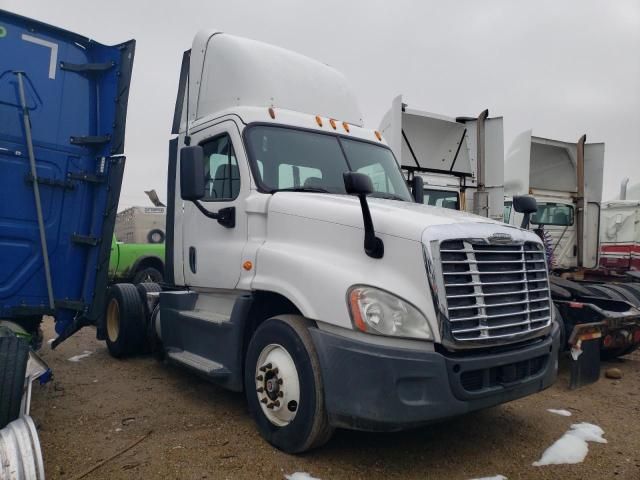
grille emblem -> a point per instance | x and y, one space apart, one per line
500 238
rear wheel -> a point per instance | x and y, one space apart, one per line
148 275
283 385
14 354
125 321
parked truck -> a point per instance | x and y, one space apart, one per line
136 262
300 270
566 180
460 160
63 103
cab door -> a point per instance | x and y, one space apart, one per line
212 252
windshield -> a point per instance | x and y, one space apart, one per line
288 159
442 198
559 214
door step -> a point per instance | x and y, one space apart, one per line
201 364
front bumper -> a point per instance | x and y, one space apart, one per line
376 388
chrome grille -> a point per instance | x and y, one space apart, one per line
495 291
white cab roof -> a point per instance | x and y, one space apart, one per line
228 71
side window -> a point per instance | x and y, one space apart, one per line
221 173
506 214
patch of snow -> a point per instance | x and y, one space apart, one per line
300 476
495 477
564 413
572 446
77 358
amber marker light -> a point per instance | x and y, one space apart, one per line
272 112
345 125
333 123
354 297
378 135
247 265
319 120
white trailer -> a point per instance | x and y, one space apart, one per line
141 225
459 159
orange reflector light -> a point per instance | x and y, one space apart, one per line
607 341
333 123
355 310
319 120
247 265
636 336
576 304
345 125
272 112
378 135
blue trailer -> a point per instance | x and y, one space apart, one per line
63 105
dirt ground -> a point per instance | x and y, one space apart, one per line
99 405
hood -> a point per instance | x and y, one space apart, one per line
390 217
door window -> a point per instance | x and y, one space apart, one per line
221 172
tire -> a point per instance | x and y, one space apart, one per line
274 340
155 236
151 341
563 328
125 323
148 275
14 354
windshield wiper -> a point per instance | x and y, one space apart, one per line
389 196
300 189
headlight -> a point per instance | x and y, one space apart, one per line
376 311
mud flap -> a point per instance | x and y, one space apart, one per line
585 363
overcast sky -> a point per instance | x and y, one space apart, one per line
562 68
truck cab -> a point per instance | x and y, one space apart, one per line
300 270
460 160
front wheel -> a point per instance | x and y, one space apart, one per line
284 387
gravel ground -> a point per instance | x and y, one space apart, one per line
97 406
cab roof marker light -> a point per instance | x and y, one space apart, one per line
333 123
272 113
378 135
345 125
319 120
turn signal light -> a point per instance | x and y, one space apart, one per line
247 265
319 120
354 299
345 125
333 123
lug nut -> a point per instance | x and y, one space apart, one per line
271 405
259 378
275 371
280 394
280 382
266 367
264 400
277 403
260 390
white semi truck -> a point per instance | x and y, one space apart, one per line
300 271
460 160
566 180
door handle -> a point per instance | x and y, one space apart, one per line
192 259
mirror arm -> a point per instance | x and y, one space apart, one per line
225 216
373 245
525 221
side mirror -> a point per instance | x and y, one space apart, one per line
192 173
357 183
417 189
525 204
360 184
